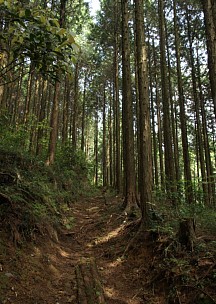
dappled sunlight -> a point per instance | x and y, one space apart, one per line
112 294
109 292
92 209
37 252
53 258
64 253
110 235
115 263
42 254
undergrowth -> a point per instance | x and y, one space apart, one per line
187 276
34 197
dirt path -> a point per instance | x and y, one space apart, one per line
46 272
98 225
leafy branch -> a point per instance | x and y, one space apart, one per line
34 34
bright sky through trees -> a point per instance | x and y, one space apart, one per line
94 6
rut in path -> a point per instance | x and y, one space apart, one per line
86 263
83 266
96 256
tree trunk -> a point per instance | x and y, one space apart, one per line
84 113
34 114
28 95
186 158
65 113
55 108
16 112
41 117
53 126
197 110
144 135
96 144
104 140
75 105
186 233
89 287
127 115
172 115
168 152
110 178
158 107
209 8
209 167
116 103
154 135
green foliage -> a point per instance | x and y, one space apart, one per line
36 196
204 216
207 219
71 167
17 139
68 222
73 161
14 140
32 33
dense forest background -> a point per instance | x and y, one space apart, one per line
132 97
122 103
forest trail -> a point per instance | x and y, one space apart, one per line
46 273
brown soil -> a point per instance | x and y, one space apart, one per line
44 272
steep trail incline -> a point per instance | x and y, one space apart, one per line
97 235
45 272
69 267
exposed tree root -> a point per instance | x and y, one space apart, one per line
89 287
141 235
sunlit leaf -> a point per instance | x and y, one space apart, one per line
33 34
70 39
76 47
21 39
21 13
54 22
43 19
61 32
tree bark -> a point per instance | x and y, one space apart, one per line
145 158
75 105
209 8
186 233
127 115
116 103
208 161
104 140
41 117
168 152
53 126
159 122
186 158
197 110
96 144
84 113
65 113
55 108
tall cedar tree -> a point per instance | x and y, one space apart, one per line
145 157
55 108
127 115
